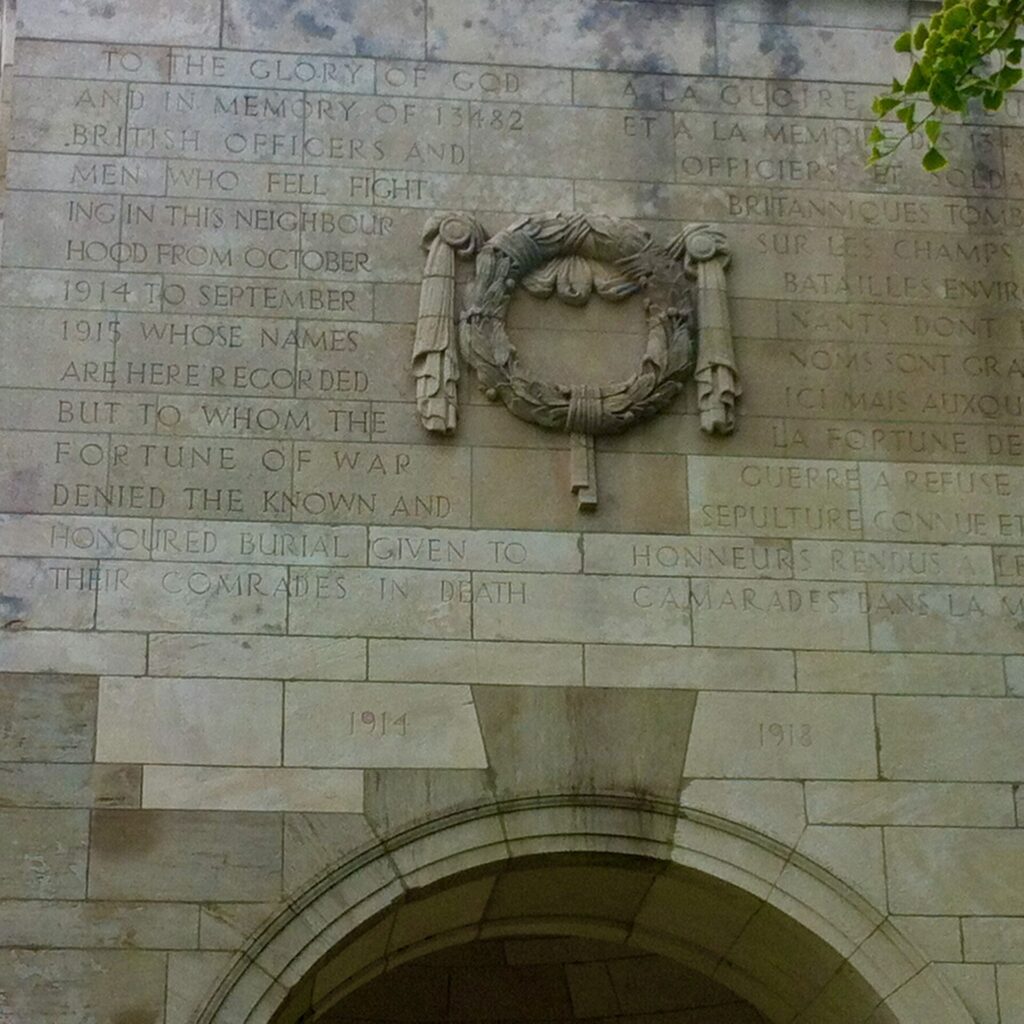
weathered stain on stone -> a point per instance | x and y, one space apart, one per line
266 13
309 24
126 833
620 34
12 603
777 41
46 717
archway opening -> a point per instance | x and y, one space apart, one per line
717 898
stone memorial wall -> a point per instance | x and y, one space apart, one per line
258 620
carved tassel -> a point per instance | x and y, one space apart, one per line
718 385
435 354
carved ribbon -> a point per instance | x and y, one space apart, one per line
581 421
435 354
718 385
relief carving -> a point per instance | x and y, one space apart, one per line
571 257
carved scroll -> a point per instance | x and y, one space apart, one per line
435 354
718 386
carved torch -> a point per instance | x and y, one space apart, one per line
718 385
435 354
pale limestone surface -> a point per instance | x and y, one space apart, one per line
477 661
901 673
993 938
1011 991
257 657
251 789
917 740
189 721
689 668
276 660
918 803
980 866
60 650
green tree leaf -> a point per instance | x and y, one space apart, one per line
1007 78
967 50
958 16
917 79
942 90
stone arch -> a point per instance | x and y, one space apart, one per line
751 913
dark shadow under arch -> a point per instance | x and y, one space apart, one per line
542 980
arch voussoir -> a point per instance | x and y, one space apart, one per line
718 897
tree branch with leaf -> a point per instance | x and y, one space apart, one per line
968 50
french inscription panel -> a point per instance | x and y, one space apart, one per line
651 554
775 498
816 439
761 203
953 384
209 442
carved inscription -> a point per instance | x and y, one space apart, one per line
782 734
380 725
211 282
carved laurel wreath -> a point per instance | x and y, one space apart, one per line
572 256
